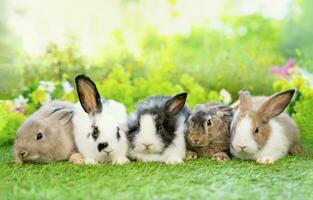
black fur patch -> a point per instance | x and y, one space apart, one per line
118 135
165 124
102 146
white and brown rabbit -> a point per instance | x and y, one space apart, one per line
99 125
261 131
208 133
157 129
47 135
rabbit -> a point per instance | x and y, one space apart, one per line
261 131
47 135
99 125
208 133
156 130
257 100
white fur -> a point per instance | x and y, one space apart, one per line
113 115
173 154
244 137
275 148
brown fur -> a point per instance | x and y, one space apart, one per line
87 94
57 128
293 134
266 108
211 139
264 128
257 101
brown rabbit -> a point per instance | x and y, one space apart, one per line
47 135
208 133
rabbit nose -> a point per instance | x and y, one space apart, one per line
23 154
108 152
102 146
242 147
146 145
196 141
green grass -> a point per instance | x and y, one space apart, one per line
289 178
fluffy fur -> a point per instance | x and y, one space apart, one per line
157 128
208 132
261 131
99 125
47 135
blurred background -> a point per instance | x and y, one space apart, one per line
154 46
136 48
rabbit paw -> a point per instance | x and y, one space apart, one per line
265 160
191 155
120 161
76 158
90 161
220 156
174 161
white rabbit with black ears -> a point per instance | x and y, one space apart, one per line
99 125
157 129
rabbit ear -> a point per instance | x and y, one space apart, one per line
62 115
174 105
275 104
88 94
245 100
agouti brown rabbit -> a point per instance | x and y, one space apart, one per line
208 133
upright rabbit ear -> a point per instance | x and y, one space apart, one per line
245 100
61 115
88 94
174 105
275 105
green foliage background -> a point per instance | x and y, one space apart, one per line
202 62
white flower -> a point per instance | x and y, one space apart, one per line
225 96
20 102
46 86
67 87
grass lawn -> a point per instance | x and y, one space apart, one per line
289 178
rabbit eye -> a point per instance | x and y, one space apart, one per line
209 122
39 136
95 133
256 130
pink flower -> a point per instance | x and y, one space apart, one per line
285 70
20 110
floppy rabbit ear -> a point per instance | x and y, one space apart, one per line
245 100
174 105
275 105
88 94
62 115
